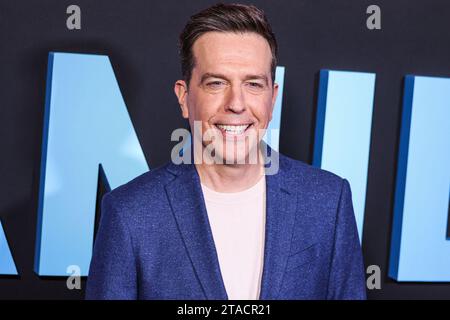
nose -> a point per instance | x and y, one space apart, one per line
235 101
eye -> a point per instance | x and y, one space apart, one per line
216 84
255 85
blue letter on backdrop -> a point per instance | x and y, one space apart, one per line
420 249
343 128
272 136
7 266
86 127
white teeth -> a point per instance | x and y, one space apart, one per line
233 129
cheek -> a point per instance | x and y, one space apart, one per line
195 107
261 109
203 107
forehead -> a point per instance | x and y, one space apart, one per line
228 51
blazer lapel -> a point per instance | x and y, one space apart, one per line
281 204
186 199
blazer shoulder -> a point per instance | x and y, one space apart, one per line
319 193
142 188
308 178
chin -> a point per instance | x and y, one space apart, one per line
242 156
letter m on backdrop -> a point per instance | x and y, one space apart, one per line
87 132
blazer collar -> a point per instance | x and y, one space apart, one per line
188 206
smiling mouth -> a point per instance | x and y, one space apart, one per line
233 129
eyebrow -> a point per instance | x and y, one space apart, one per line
212 75
246 78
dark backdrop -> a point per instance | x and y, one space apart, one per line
140 37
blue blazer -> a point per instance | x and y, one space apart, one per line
154 240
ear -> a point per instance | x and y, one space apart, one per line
181 91
274 98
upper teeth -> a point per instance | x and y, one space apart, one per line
232 128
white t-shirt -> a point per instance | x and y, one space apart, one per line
238 226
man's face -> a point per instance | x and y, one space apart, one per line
230 91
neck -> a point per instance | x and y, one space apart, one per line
230 178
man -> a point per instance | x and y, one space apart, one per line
222 228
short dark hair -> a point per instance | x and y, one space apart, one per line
238 18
